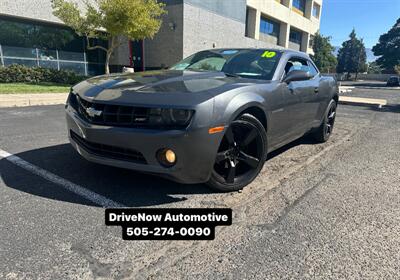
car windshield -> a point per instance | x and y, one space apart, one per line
255 64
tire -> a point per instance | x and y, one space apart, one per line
241 155
325 130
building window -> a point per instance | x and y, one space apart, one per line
284 2
34 43
295 37
311 42
315 10
269 27
300 6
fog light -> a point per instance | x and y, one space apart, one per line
170 156
166 157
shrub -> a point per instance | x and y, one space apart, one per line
22 74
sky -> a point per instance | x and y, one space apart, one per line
370 18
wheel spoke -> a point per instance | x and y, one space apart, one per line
328 128
229 136
332 115
249 138
230 178
221 156
249 160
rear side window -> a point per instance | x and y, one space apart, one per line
300 64
313 71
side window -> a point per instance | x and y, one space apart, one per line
295 63
313 71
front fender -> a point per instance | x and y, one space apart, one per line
228 109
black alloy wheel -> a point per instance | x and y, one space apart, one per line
241 154
323 133
330 120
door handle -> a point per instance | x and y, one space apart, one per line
316 90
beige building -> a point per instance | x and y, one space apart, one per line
287 23
188 27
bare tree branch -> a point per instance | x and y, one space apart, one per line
94 47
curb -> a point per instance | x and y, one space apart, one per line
380 88
24 100
362 101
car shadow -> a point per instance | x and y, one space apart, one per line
123 186
391 108
305 140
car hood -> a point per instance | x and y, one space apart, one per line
159 87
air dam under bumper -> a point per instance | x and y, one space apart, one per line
195 149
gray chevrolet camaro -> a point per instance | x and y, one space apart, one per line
211 118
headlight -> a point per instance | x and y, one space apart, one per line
170 117
72 100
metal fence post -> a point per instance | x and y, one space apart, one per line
1 56
58 61
37 57
86 64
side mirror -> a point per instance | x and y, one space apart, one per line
297 75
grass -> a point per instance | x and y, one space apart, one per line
33 88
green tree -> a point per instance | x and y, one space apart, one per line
110 20
397 69
352 57
323 53
374 68
389 49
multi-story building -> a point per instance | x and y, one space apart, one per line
28 29
287 23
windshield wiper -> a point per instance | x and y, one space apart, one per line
232 75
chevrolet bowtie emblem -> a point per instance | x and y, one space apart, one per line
92 112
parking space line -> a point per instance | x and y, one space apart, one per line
72 187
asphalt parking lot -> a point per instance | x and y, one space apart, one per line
325 211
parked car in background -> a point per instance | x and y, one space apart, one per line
393 81
212 118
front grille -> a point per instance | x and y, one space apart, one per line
111 115
108 151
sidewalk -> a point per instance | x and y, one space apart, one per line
26 99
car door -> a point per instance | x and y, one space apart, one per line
305 93
312 97
284 107
287 109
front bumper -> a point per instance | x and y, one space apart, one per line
195 148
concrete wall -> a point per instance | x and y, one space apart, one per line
366 77
234 9
32 9
294 46
166 48
268 38
121 54
375 77
204 29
